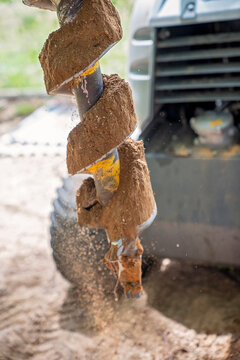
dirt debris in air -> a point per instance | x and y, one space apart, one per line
131 205
85 36
187 313
79 43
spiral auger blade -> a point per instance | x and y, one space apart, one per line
118 196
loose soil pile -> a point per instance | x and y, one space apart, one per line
188 313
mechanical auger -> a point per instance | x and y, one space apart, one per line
118 195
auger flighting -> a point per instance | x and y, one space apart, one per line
118 196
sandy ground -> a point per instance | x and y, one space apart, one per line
188 312
13 110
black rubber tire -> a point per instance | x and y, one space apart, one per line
78 251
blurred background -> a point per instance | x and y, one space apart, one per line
23 31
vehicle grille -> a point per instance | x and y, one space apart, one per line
198 63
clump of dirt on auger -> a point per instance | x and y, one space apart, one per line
77 44
106 125
87 193
131 205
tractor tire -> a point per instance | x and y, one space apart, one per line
78 251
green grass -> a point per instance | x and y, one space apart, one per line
24 109
23 31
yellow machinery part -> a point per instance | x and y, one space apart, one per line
107 171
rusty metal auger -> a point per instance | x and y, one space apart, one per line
99 145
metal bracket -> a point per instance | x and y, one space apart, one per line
188 9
